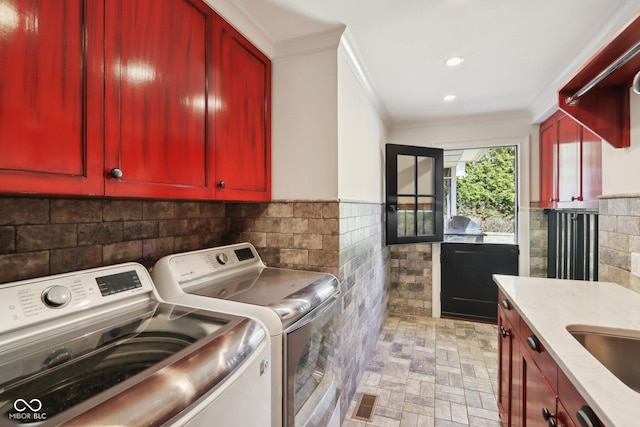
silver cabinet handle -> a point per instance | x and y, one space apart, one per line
116 173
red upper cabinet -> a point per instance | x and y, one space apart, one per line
159 127
243 118
549 161
131 98
51 97
591 157
570 164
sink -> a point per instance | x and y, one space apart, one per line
616 349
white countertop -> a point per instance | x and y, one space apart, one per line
550 305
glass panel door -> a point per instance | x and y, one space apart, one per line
414 194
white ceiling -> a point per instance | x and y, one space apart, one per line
516 51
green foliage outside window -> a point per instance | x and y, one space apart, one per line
488 190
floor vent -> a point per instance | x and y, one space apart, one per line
365 407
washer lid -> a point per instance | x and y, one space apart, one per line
107 370
290 293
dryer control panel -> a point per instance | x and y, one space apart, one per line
189 266
36 300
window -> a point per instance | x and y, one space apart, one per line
414 195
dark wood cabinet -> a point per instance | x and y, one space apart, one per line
538 397
163 92
509 369
51 97
532 390
243 117
570 164
158 118
549 161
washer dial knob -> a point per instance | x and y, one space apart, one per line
56 296
222 258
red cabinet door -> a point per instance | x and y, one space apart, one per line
591 166
51 56
568 160
508 399
243 118
536 393
549 162
572 402
159 127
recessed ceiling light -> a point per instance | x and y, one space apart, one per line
454 60
449 98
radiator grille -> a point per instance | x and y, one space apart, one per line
572 244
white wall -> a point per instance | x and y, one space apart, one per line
482 131
362 136
304 140
620 165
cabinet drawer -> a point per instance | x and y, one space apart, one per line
506 307
540 355
572 400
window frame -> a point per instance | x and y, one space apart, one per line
392 152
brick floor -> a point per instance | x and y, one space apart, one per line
432 373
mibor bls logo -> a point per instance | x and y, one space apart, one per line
27 411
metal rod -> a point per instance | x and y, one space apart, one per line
574 99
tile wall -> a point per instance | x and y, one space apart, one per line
410 280
364 273
42 236
538 238
619 236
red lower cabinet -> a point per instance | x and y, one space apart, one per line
538 398
533 391
509 369
564 417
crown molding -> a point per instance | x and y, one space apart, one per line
318 42
349 51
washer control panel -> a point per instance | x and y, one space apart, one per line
36 300
189 266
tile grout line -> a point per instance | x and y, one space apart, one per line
436 352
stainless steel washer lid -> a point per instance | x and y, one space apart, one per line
290 293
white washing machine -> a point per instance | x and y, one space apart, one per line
301 310
98 347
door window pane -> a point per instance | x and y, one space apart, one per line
425 214
426 175
406 174
406 216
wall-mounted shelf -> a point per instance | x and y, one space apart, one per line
604 109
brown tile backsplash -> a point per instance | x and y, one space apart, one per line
75 211
55 235
52 236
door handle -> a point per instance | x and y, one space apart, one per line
391 208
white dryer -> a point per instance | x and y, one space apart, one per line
301 310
